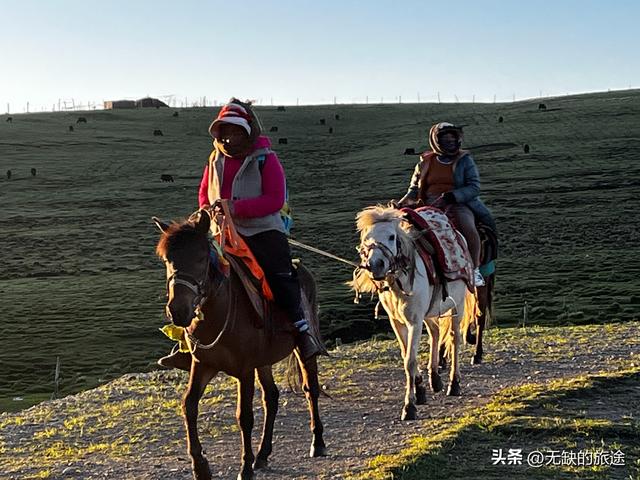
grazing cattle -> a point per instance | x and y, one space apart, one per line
273 129
337 117
542 106
8 174
10 119
283 141
81 120
323 121
71 128
526 148
157 133
281 109
166 177
33 172
500 119
409 151
176 114
330 129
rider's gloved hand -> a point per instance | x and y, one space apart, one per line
449 198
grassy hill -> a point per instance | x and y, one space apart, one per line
80 280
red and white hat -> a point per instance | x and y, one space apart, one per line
234 114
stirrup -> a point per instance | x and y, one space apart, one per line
478 279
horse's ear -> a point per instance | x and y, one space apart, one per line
160 224
204 222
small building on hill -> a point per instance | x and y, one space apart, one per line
148 102
113 104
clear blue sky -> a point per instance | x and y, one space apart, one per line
313 50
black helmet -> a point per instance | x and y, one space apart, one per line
440 129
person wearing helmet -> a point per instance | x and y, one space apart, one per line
447 176
244 170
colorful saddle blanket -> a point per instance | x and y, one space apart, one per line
445 250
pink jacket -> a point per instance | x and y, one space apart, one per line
273 185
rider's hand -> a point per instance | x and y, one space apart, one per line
449 198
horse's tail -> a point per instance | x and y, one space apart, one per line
468 319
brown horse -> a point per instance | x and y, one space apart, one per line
226 339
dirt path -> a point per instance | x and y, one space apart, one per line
131 429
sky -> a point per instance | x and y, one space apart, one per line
283 52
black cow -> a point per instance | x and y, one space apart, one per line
337 117
175 114
157 133
409 151
283 141
281 109
273 129
330 129
323 121
9 119
8 174
166 177
71 128
500 119
542 106
81 120
526 148
33 172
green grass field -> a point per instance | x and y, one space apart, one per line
80 280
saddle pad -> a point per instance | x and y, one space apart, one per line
451 251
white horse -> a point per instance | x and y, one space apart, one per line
392 268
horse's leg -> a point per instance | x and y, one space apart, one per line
244 416
311 388
442 357
270 404
454 338
477 357
401 332
409 411
400 329
434 338
199 377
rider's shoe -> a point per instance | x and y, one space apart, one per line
306 343
478 279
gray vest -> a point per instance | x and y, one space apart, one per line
246 184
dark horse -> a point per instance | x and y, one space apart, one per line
229 341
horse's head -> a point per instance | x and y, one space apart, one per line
184 249
380 240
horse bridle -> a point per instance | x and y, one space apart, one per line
396 262
198 287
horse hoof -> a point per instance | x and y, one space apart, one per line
201 470
317 451
454 389
246 476
435 383
260 463
421 395
409 412
476 360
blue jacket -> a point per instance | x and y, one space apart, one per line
466 180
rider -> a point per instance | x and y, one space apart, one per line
246 172
448 175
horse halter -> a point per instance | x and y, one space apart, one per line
199 288
396 262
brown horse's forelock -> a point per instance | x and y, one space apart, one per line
177 236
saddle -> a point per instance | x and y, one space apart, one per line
442 248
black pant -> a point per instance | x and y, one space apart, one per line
273 254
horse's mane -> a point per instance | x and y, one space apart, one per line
375 214
366 219
177 235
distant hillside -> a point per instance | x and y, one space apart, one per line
80 280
